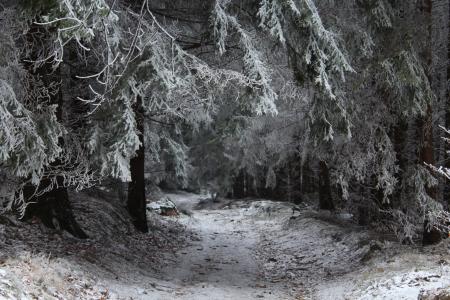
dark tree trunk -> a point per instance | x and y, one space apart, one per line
446 194
52 207
363 209
250 190
122 189
136 203
426 154
430 235
239 185
325 197
289 183
363 215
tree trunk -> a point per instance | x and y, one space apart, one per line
289 188
136 203
325 197
446 191
426 153
430 235
239 185
53 207
364 213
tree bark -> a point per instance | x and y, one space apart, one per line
446 191
136 203
53 207
426 153
239 185
325 197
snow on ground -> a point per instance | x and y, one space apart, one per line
330 258
223 249
115 263
221 264
402 273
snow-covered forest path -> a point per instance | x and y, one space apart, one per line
230 249
261 249
220 263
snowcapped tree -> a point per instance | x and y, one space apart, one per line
35 136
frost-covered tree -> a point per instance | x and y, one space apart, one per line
35 139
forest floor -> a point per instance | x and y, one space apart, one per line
251 249
247 249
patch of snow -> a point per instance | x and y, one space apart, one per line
404 275
159 206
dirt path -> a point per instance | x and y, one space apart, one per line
241 250
259 250
221 264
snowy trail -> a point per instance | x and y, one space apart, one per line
221 264
255 250
240 250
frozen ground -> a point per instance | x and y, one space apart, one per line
221 263
218 250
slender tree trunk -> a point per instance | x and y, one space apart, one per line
447 120
136 203
363 210
122 189
325 197
426 153
430 235
245 184
299 190
239 185
289 189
